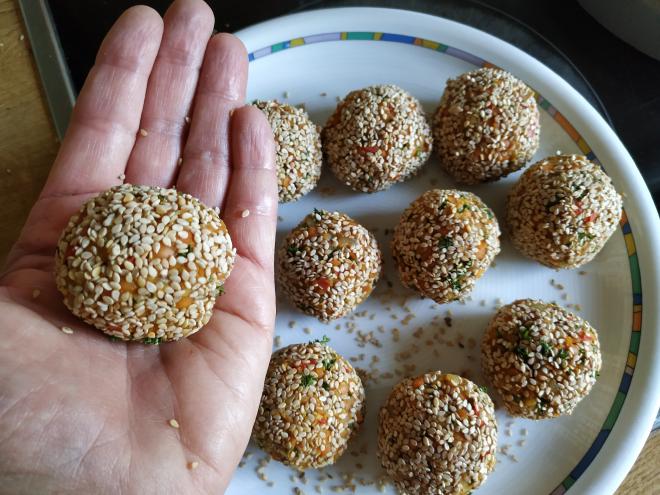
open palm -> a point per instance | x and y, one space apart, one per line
82 414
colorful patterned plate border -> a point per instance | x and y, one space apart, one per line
635 275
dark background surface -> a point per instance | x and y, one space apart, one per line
619 81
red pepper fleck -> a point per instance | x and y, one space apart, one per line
323 283
368 149
592 217
585 336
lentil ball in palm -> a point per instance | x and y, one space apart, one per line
542 359
143 263
312 404
297 146
376 137
437 433
444 242
487 126
562 211
328 264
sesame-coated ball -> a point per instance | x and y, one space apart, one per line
143 263
444 242
541 358
328 264
437 434
487 126
298 149
562 211
376 137
312 404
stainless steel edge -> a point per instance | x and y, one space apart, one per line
49 58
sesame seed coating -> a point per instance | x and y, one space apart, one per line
437 433
562 211
376 137
487 126
444 242
541 358
328 264
312 404
297 146
142 262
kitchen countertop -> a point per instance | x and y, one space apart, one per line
28 145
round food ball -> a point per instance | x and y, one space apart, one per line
298 149
444 242
562 211
487 126
143 263
328 264
312 404
376 137
437 434
541 358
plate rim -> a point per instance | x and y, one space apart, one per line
625 438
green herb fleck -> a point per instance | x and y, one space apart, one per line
488 212
524 333
326 386
292 250
219 290
112 338
562 354
308 380
318 212
585 235
323 340
456 284
151 340
443 204
484 389
464 207
445 242
545 349
329 363
186 252
521 352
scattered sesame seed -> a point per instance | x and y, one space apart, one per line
144 133
173 423
187 119
21 37
67 330
245 213
193 465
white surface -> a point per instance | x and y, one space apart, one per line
554 447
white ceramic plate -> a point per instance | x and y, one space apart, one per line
315 57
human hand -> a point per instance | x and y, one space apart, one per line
82 414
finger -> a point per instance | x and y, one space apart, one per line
106 116
251 207
188 27
205 169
